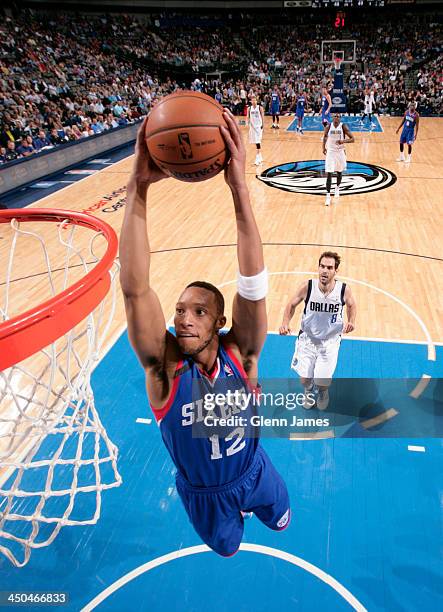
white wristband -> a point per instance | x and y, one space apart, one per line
253 288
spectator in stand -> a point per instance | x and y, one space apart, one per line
8 133
26 148
76 132
42 142
123 120
3 159
110 122
11 154
96 127
55 138
86 129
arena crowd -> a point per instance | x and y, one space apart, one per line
65 77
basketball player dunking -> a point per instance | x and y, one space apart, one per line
334 148
218 478
256 123
322 325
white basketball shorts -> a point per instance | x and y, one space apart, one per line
315 360
255 134
335 161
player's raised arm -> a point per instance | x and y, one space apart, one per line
249 321
351 311
146 321
296 299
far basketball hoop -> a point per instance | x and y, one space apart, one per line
337 62
343 49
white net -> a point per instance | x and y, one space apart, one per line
55 455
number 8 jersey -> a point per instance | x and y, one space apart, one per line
323 313
215 459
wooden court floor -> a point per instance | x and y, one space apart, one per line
390 240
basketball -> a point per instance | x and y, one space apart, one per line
183 136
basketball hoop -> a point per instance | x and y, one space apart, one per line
53 445
337 62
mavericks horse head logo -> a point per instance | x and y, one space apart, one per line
310 177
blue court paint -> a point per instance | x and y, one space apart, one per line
355 124
365 511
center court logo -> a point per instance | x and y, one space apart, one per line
310 177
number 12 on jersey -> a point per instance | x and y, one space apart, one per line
238 444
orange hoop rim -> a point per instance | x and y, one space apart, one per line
32 330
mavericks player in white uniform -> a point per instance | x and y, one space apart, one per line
256 122
369 104
322 326
334 140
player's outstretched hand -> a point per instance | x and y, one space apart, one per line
284 330
144 170
235 170
348 328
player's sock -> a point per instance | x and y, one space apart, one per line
308 396
337 187
328 199
401 157
408 158
323 399
328 182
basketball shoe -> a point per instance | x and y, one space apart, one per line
323 399
307 401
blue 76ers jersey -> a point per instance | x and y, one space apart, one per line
275 100
324 103
215 459
301 104
410 120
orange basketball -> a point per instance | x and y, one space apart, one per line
184 138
